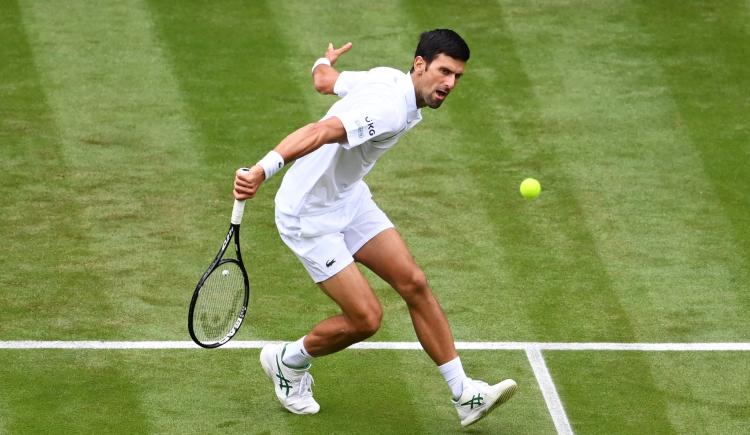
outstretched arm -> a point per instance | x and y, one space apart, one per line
297 144
306 139
325 76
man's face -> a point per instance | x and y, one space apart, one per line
434 81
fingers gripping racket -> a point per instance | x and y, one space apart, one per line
220 299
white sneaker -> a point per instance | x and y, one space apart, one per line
293 386
479 398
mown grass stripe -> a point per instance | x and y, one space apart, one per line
702 398
569 137
70 394
614 129
39 227
128 145
485 140
443 186
658 227
392 345
707 79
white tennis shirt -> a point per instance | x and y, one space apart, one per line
376 107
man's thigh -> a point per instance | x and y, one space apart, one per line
387 255
351 291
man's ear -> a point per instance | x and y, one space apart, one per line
420 65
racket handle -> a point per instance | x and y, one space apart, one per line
237 212
239 207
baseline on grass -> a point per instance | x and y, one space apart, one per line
220 299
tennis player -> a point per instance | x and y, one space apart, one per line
326 215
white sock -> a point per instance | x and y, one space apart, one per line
453 372
296 355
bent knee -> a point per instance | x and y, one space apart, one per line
413 285
368 324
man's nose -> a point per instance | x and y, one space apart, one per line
450 81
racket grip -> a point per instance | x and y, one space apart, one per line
237 212
239 207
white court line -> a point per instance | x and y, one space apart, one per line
532 349
551 398
388 345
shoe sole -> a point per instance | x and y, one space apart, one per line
504 397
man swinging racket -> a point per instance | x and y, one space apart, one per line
326 215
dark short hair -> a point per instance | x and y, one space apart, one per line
443 41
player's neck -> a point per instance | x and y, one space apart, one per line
418 98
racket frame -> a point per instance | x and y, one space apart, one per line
233 233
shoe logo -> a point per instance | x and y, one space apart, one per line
475 400
330 262
284 383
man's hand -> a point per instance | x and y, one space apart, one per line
246 183
333 54
324 76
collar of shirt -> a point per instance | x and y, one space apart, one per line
407 86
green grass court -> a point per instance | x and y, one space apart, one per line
121 125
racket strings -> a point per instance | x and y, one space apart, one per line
219 304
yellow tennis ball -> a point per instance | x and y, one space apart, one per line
530 188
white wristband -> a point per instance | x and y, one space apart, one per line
271 163
321 61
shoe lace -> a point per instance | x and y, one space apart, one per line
305 385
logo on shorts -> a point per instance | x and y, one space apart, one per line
330 262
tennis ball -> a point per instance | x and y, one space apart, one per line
530 188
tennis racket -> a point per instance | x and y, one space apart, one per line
219 302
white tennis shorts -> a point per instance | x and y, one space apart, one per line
325 243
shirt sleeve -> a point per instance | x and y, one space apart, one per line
372 119
346 81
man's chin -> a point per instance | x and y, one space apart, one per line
434 103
